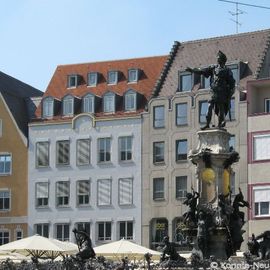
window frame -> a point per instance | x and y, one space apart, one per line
126 235
83 226
105 237
4 231
128 94
48 107
109 198
127 151
57 153
109 103
233 67
9 172
83 194
266 101
180 83
65 200
254 137
181 191
89 81
16 231
3 198
177 116
42 225
122 191
47 154
66 102
115 81
258 208
201 102
109 153
88 152
1 128
155 155
63 225
70 77
155 119
91 101
136 76
176 151
155 191
44 204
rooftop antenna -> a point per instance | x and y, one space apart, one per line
239 12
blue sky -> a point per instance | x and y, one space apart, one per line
38 35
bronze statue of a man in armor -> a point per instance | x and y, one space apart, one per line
222 85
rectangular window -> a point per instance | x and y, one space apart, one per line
88 104
158 152
109 103
72 81
42 229
18 234
83 152
47 107
181 187
84 226
206 82
126 230
181 150
104 149
203 108
42 154
4 200
125 148
42 194
104 231
125 191
5 164
132 75
185 82
112 77
181 114
4 237
158 189
159 117
130 101
104 187
62 152
83 192
261 147
92 78
62 232
235 72
262 201
232 110
68 106
62 193
267 105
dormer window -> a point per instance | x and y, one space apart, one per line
133 75
130 100
109 103
235 72
72 81
112 77
88 103
68 105
47 107
185 82
92 78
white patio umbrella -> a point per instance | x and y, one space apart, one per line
40 247
123 248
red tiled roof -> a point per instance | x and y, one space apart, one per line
150 71
246 47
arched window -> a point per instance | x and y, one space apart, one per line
68 105
47 107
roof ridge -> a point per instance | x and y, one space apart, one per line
114 60
165 69
225 36
264 52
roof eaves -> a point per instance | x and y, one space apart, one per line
165 69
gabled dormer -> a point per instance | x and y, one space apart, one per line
50 106
110 102
70 105
90 103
